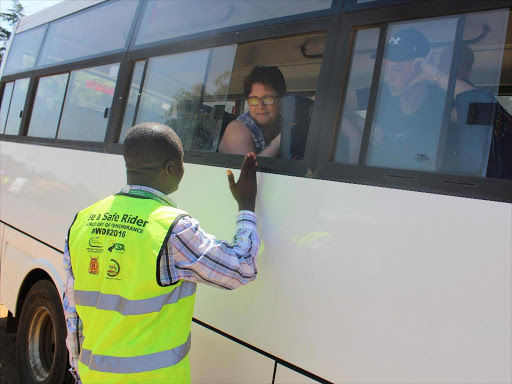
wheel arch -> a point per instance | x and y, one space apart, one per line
32 277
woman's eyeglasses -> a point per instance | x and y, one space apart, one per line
266 100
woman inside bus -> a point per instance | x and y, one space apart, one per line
259 129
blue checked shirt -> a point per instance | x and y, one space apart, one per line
193 255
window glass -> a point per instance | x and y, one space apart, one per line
165 19
133 98
283 77
354 113
4 108
437 107
47 106
24 49
88 102
187 92
104 28
16 108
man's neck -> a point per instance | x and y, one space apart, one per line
411 101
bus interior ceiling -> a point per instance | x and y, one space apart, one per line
300 72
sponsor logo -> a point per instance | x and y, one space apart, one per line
94 266
116 247
95 242
113 268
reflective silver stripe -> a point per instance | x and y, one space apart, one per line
135 364
133 307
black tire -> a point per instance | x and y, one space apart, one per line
41 353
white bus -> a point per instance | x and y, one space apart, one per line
381 263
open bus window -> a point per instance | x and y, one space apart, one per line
15 113
47 106
24 50
436 106
6 101
185 91
88 103
271 113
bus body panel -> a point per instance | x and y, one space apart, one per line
356 284
20 256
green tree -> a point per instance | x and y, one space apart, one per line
11 17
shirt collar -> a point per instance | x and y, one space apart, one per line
153 191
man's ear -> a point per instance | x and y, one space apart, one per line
168 166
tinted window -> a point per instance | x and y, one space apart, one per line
354 114
165 19
88 102
47 106
187 92
4 108
441 105
24 49
104 28
16 108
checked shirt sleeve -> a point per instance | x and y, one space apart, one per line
196 256
72 339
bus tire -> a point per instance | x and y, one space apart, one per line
41 353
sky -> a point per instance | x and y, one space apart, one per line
30 7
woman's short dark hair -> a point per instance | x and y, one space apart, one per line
271 77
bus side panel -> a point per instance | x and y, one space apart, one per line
357 283
20 256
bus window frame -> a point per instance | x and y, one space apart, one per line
326 168
329 101
328 25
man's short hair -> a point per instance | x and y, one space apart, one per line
149 145
271 77
406 44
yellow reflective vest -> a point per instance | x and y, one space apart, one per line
134 329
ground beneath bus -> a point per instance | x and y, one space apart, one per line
7 351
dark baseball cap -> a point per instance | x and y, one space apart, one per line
406 44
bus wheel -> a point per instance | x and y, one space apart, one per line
41 354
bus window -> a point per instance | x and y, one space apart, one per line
16 108
24 50
4 108
438 105
88 103
187 92
272 117
163 20
354 113
90 32
47 106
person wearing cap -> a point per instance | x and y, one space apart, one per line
259 129
410 106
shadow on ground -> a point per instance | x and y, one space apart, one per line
7 353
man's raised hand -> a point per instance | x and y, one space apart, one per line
244 190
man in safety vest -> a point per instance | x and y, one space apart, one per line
133 260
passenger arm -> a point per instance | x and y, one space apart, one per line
237 139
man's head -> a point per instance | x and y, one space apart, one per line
154 157
267 84
402 48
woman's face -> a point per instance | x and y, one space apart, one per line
264 114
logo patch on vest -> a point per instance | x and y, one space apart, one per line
116 247
94 266
113 268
